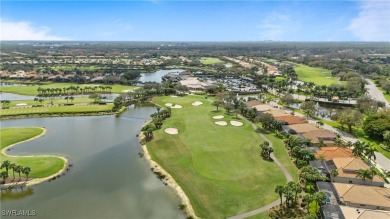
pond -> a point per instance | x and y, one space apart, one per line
9 96
324 112
156 76
108 179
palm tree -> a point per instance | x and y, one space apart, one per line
71 98
296 188
364 174
4 175
26 171
18 169
358 148
370 153
279 189
12 166
6 164
67 99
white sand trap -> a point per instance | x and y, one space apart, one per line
222 123
218 117
171 131
176 106
126 91
168 104
197 103
235 123
21 104
173 96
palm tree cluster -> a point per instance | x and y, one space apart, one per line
311 175
73 90
295 146
268 122
7 165
290 191
266 150
157 121
361 149
5 103
365 174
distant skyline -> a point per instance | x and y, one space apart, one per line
158 20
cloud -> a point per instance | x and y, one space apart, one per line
277 26
23 30
372 22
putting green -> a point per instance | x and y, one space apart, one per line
219 167
40 166
210 60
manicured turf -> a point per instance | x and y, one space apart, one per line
263 215
280 152
319 76
56 100
387 96
32 90
40 166
57 109
219 167
210 60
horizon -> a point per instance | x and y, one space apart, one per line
196 21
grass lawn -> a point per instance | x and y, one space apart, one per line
387 96
210 60
32 90
56 100
40 166
263 215
194 68
280 152
319 76
57 109
218 167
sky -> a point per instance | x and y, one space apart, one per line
201 20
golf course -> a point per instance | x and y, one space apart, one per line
41 166
31 90
210 60
319 76
216 161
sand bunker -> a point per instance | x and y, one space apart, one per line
197 103
171 131
176 106
126 91
21 104
222 123
235 123
173 96
218 117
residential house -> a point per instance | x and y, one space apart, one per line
328 153
328 137
291 120
361 213
361 196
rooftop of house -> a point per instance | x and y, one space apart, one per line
303 128
291 120
365 195
263 107
323 134
329 153
276 112
348 167
359 213
253 103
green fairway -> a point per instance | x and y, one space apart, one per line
210 60
56 100
40 166
32 90
319 76
219 167
57 109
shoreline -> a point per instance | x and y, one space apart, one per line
35 181
47 115
169 180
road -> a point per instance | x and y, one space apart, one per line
375 93
274 203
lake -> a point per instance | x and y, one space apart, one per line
108 179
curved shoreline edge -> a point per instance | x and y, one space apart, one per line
168 178
34 181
